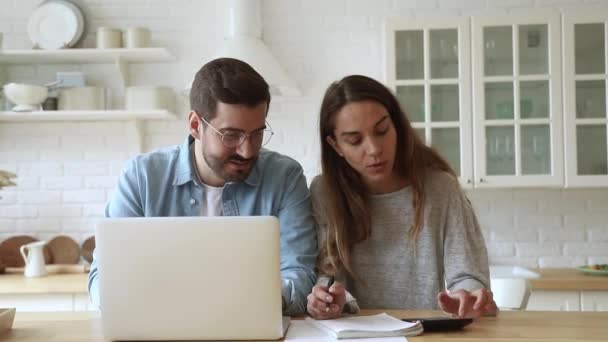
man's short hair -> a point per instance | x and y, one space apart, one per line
230 81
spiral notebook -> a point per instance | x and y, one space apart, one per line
381 325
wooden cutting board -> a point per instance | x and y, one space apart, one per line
87 248
9 250
64 250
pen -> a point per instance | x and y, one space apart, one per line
330 282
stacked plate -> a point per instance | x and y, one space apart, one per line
56 24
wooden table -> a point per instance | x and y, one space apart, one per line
508 326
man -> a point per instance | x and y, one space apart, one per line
221 169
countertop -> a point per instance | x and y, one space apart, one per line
62 279
568 279
507 326
73 279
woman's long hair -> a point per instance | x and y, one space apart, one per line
346 196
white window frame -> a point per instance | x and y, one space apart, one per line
462 25
569 19
555 179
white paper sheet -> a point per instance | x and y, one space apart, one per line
301 331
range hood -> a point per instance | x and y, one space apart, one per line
244 41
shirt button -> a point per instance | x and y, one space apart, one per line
192 201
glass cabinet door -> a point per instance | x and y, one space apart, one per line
586 118
427 65
517 92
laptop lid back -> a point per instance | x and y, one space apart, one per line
183 278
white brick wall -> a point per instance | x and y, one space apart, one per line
67 170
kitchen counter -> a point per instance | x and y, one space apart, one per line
567 279
62 279
508 326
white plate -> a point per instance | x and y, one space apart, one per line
56 24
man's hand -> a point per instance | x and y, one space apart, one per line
463 304
324 303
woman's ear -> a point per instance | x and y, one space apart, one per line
194 124
332 142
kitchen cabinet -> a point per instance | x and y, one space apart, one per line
47 302
514 135
585 77
568 301
568 289
594 300
517 109
55 292
427 65
554 301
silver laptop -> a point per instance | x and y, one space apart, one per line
189 278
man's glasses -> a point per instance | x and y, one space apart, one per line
234 139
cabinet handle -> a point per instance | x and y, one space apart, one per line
469 181
481 180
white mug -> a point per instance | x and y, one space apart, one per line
35 265
137 37
109 38
149 98
82 98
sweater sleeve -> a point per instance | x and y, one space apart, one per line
465 255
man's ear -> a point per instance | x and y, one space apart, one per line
332 142
194 124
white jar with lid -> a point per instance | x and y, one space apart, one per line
109 38
149 98
137 37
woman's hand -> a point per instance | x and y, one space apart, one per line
324 303
463 304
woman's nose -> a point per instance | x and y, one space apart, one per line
373 147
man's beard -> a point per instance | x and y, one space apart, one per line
219 167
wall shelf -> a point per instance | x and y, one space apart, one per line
86 115
85 56
119 57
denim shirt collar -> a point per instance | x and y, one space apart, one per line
184 172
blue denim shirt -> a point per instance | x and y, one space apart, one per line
163 183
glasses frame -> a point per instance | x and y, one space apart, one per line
242 135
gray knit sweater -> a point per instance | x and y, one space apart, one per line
451 252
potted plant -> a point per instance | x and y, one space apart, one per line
5 180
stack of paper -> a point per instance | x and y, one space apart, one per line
302 331
381 325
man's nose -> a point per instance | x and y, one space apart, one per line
246 149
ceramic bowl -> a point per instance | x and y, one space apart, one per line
7 316
27 97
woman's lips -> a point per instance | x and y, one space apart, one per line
376 167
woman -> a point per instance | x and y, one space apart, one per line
395 228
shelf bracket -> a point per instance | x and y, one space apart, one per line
121 64
138 129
